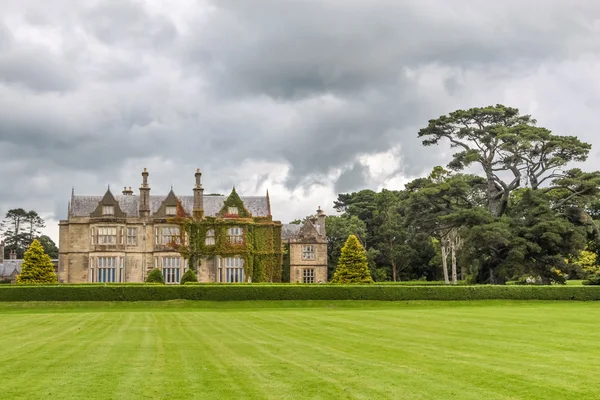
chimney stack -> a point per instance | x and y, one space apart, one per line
13 254
321 221
198 196
127 192
145 195
2 252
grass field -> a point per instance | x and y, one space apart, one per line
300 350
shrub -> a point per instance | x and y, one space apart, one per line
37 266
189 276
155 276
240 292
352 266
593 279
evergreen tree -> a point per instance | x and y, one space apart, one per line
37 266
352 266
155 276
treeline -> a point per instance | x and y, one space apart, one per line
20 228
525 215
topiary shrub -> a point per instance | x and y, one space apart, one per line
155 276
189 276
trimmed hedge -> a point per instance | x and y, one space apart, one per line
228 292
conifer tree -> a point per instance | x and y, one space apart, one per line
352 266
37 266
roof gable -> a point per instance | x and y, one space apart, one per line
233 201
108 200
170 201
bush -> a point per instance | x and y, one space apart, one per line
593 279
155 276
189 276
240 292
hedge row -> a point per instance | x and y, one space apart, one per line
293 292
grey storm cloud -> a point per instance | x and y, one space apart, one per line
93 91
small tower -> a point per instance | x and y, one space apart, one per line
144 195
198 196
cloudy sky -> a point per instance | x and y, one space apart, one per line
306 98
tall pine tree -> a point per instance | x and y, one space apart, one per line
352 266
37 266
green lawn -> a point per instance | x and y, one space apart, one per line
303 350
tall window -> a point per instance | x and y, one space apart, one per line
170 235
210 237
234 269
235 235
308 252
171 210
108 269
171 269
108 210
308 275
131 236
107 235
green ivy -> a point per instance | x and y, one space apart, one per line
261 249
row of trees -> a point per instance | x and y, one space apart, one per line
19 228
508 206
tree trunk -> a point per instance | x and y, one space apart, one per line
453 249
445 262
394 272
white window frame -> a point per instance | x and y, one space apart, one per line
210 238
106 269
308 252
170 234
171 269
108 210
235 235
92 235
234 270
171 210
308 275
106 235
232 211
132 236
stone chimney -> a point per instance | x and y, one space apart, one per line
127 192
145 195
2 252
198 196
321 221
13 254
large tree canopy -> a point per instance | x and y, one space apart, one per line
509 147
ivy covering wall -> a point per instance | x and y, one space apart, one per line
261 247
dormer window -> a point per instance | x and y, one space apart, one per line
171 210
233 211
108 210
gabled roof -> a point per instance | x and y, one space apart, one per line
289 231
9 267
83 206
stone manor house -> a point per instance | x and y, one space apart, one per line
121 238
